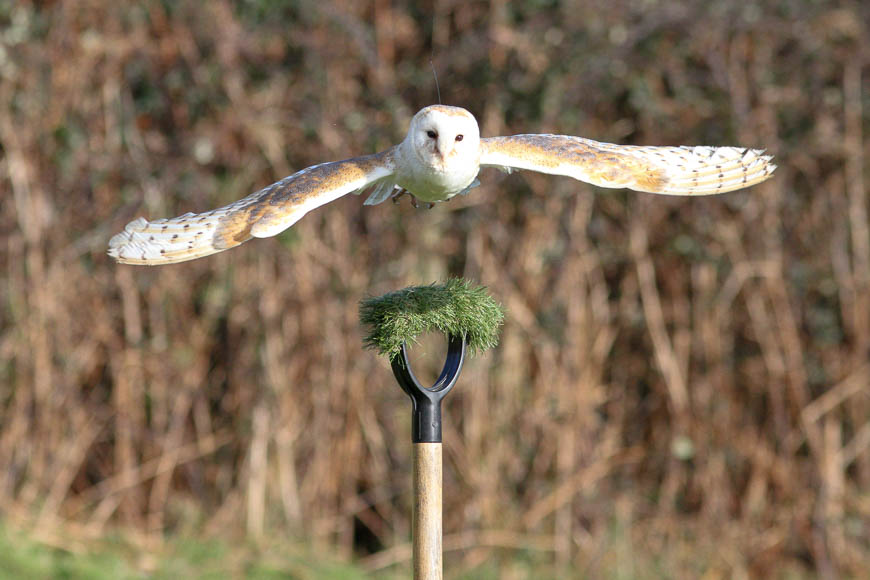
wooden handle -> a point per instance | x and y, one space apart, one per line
427 511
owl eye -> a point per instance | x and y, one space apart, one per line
460 137
432 134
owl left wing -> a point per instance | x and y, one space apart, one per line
265 213
665 170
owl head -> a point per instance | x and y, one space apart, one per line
443 136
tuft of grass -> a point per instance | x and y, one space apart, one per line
455 308
117 558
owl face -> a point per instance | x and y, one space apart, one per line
444 137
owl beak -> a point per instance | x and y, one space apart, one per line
440 155
442 150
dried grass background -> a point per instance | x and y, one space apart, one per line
682 378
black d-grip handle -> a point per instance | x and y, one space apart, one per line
426 422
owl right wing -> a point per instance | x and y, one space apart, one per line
665 170
265 213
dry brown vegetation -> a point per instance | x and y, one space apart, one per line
680 382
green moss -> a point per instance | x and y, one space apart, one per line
454 308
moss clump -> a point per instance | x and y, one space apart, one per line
454 308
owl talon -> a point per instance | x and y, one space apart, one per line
401 193
414 201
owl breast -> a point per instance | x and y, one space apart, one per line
433 183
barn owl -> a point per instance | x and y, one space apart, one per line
439 158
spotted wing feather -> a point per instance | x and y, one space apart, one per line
265 213
664 170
